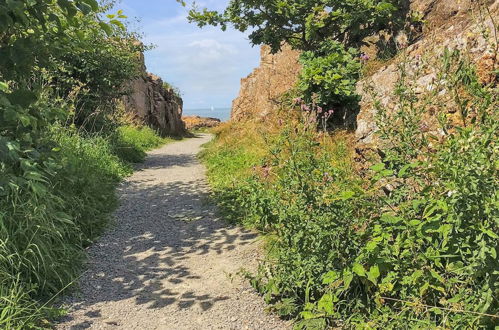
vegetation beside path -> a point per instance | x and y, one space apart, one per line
401 236
64 145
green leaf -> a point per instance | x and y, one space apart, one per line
403 171
25 120
371 245
437 276
38 188
347 278
359 269
4 87
118 23
414 223
491 234
92 3
378 167
330 277
390 219
85 8
106 28
373 274
345 195
326 303
307 315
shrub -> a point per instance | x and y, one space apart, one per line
59 62
413 241
51 209
230 159
329 77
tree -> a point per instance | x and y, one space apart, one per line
303 24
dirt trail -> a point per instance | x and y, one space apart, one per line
168 261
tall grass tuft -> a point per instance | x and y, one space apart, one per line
51 213
131 142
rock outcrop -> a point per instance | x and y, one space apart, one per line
261 90
456 25
197 122
154 105
452 24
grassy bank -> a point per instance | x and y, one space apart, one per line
54 210
404 238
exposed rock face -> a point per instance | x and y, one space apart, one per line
448 23
197 122
261 90
155 106
455 25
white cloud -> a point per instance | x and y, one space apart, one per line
206 64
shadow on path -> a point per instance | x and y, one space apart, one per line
161 227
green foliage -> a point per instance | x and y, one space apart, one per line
230 159
412 242
25 26
435 242
60 62
326 30
329 77
69 197
302 24
174 89
67 46
131 142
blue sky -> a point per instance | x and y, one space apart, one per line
206 64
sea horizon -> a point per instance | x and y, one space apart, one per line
220 113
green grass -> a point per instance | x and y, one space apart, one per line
230 159
59 205
132 142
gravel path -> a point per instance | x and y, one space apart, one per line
170 261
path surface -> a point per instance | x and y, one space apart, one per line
168 262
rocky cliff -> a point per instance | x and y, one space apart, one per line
458 24
154 105
455 25
260 91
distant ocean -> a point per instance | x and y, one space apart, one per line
221 113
